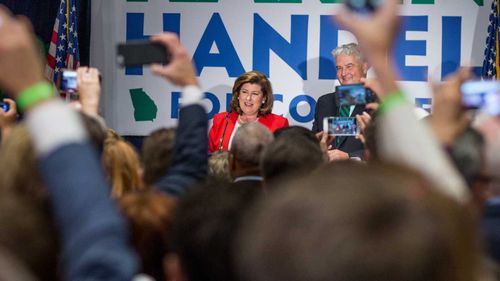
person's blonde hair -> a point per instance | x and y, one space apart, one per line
253 77
19 165
122 165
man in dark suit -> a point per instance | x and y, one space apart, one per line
351 67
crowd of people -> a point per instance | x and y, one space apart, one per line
408 199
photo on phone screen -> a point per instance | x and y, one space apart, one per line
341 126
483 95
353 94
68 81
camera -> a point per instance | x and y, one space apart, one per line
68 81
354 94
341 126
138 53
363 6
484 95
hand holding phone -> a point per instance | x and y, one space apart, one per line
341 126
481 95
137 53
180 70
8 116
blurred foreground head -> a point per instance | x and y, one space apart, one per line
355 222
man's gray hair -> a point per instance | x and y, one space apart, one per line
347 50
249 142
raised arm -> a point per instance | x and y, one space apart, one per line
189 159
402 138
93 234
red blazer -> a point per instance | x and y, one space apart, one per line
271 121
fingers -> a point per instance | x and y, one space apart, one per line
5 14
337 155
168 39
372 106
11 113
79 74
363 120
346 19
180 71
10 102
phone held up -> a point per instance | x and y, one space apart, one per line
483 95
341 126
138 53
354 94
363 7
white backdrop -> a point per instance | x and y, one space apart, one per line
291 43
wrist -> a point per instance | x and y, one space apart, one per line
392 100
34 94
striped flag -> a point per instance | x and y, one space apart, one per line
491 65
63 50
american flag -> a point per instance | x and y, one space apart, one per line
491 63
63 50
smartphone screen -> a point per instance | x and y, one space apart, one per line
68 81
353 94
5 106
341 126
481 95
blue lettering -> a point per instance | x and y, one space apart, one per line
215 104
174 113
413 47
425 103
135 31
175 103
451 45
328 40
293 53
294 112
227 57
278 97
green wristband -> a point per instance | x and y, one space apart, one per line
34 94
391 100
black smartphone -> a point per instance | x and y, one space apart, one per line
68 81
363 6
5 106
354 94
481 95
341 126
137 53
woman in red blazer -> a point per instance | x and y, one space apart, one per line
252 102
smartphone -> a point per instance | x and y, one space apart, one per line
363 7
137 53
341 126
354 94
5 106
68 81
483 95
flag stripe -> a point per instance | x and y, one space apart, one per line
63 49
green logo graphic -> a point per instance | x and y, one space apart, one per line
145 108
